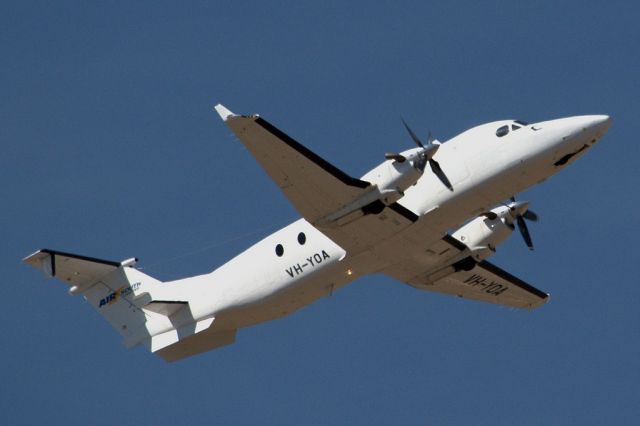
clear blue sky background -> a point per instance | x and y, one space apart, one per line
110 148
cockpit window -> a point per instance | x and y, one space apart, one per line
522 123
514 127
502 131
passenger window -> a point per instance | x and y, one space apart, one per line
502 131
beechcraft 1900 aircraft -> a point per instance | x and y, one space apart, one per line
394 220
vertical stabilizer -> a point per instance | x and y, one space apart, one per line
142 309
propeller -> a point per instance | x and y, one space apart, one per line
425 156
520 211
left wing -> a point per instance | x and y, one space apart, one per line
315 187
348 210
448 268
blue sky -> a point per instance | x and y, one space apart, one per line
111 149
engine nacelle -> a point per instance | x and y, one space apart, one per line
393 177
389 181
483 234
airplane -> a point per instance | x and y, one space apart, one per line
395 220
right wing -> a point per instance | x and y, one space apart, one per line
447 268
487 283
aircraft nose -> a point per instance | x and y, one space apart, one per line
600 123
593 125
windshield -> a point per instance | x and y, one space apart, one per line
515 125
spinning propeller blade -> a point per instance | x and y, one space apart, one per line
427 154
524 231
522 212
437 170
530 216
413 135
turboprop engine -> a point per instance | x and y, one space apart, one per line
390 180
483 234
403 170
397 174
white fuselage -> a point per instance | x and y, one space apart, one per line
263 283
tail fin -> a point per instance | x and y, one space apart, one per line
142 309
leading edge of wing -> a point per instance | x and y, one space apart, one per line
321 162
226 114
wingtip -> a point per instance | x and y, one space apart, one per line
223 112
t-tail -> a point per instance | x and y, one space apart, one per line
145 311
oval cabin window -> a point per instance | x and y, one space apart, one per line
502 131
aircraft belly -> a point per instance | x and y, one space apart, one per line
306 290
288 298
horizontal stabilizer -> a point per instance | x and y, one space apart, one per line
159 341
197 344
79 272
223 112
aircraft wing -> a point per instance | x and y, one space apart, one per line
316 188
444 269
